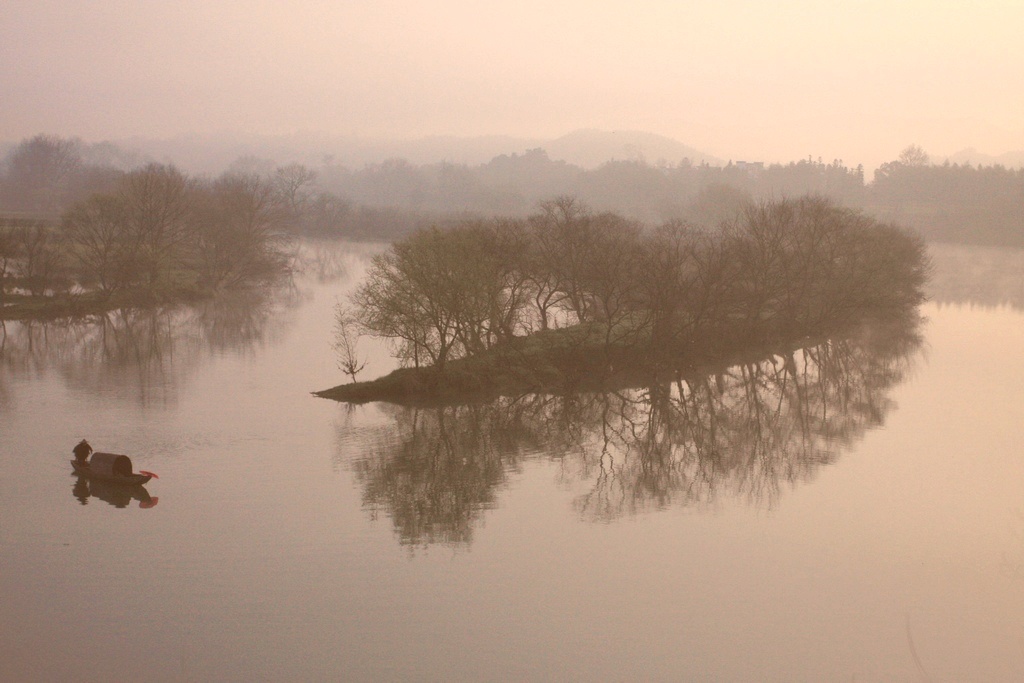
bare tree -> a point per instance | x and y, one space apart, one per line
156 200
409 296
8 254
101 243
293 185
687 282
237 229
346 340
914 155
41 265
327 213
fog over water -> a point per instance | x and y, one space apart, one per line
736 79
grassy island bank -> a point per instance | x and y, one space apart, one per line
556 362
567 298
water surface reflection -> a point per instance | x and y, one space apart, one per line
686 439
145 351
986 277
118 495
143 355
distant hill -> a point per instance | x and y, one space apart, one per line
430 150
975 158
590 148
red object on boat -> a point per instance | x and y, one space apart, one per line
111 467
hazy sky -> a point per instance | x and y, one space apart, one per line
763 80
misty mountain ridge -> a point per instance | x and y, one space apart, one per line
589 148
973 157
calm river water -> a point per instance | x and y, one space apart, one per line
855 512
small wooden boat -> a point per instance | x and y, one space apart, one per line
113 468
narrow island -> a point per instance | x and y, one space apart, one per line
571 300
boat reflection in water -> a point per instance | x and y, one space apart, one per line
118 495
682 438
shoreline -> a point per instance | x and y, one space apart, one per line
42 308
519 367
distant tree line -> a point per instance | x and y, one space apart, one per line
45 175
952 202
946 203
513 185
781 270
153 230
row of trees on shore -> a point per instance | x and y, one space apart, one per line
782 269
951 203
155 229
45 176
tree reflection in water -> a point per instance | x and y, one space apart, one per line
147 350
685 439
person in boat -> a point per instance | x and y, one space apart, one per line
82 452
